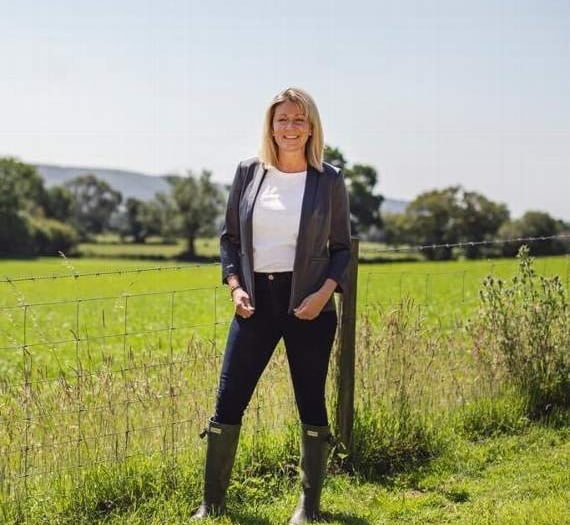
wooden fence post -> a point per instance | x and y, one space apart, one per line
345 358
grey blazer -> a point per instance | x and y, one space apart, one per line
323 242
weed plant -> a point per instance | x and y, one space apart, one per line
521 336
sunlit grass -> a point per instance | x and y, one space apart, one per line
104 372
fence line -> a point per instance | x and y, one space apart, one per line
110 336
467 244
145 397
422 247
493 264
60 377
35 450
111 297
77 275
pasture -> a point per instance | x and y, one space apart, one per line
108 372
90 303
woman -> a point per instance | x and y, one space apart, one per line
285 246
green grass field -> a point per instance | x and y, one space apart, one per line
114 311
508 480
99 370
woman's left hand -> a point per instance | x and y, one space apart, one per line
311 306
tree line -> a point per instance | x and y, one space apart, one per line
35 220
444 216
455 215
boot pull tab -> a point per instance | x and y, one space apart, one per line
210 430
325 436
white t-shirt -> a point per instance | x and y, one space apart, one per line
276 217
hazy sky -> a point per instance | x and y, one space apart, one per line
432 93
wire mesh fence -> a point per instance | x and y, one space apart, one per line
104 373
98 380
416 350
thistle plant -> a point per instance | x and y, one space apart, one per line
522 336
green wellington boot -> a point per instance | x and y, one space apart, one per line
220 455
315 448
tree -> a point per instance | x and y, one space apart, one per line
364 204
21 188
94 203
199 203
479 219
59 203
135 224
361 180
395 229
162 212
24 229
139 219
335 157
533 224
450 216
432 218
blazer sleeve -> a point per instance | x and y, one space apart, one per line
230 242
339 237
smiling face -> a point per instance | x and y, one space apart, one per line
291 127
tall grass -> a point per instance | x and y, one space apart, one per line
103 434
418 386
418 389
521 335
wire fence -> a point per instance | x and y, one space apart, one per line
101 379
74 274
469 244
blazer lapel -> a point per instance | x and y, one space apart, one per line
308 205
258 177
311 186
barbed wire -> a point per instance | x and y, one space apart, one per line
77 275
465 244
491 262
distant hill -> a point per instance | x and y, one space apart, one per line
393 205
129 183
142 186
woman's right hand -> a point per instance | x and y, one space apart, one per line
242 303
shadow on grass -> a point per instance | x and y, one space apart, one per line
244 518
344 518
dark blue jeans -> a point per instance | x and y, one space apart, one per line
251 343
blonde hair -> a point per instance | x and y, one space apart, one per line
314 148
